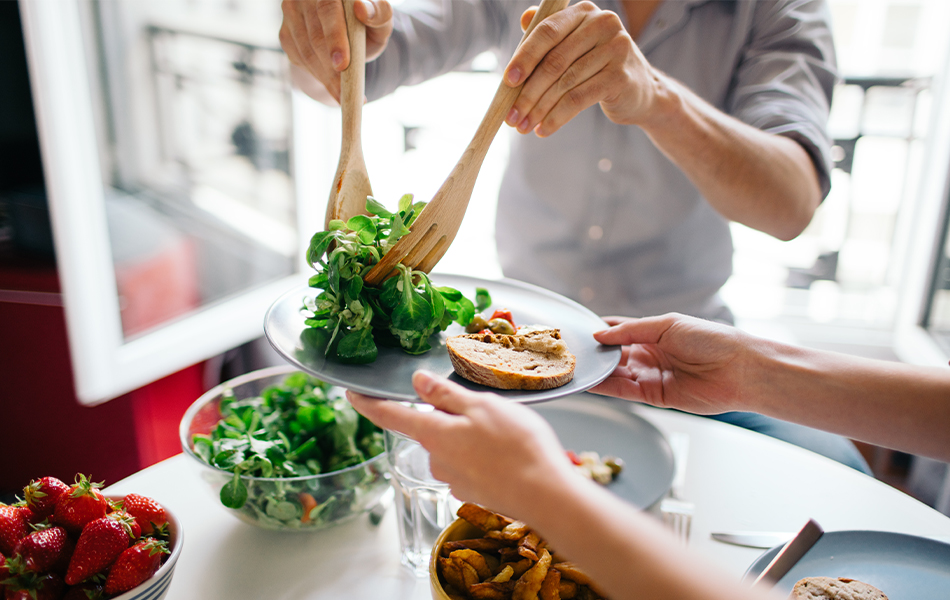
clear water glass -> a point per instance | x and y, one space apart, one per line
424 505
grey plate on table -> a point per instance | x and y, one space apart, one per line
390 376
588 422
904 567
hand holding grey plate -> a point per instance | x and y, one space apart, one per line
390 376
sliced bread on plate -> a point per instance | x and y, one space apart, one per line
537 360
834 588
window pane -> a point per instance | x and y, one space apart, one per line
194 128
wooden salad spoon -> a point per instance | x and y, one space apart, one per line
439 221
351 182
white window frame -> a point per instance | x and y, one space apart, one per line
105 365
912 342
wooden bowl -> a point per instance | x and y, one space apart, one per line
460 529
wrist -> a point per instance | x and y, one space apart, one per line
542 496
775 372
667 104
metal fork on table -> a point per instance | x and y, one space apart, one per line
676 512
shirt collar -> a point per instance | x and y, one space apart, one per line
668 18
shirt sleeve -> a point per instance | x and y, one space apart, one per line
433 37
785 77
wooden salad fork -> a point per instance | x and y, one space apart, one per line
351 182
438 223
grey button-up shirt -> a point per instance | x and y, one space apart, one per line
596 212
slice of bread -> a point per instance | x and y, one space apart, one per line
538 360
834 588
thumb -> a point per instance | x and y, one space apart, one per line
647 330
373 13
441 393
526 17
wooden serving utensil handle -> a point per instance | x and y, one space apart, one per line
436 226
505 96
353 79
351 183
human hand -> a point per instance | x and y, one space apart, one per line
675 361
574 59
495 453
313 34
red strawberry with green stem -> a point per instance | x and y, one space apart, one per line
47 586
42 494
83 504
14 526
101 542
135 565
135 530
43 548
4 571
87 590
146 511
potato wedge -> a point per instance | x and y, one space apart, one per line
551 586
503 575
528 545
529 584
492 590
519 567
567 589
475 560
469 574
513 531
571 571
479 544
482 518
451 573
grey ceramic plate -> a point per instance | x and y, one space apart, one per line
390 376
904 567
589 422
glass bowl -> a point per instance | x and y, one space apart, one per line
303 503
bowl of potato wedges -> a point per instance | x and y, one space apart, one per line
484 555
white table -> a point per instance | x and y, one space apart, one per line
738 479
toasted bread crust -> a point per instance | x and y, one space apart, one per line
538 360
834 588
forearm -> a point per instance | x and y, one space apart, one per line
765 181
890 404
625 551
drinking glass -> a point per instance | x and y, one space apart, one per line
424 505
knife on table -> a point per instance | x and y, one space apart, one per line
770 539
752 539
789 556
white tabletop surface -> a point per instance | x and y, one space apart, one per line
739 480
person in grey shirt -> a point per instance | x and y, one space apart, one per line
653 125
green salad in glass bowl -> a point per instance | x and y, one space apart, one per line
283 450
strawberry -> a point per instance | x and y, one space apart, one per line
42 549
101 542
135 530
86 590
48 586
146 511
135 565
83 504
4 571
14 526
42 494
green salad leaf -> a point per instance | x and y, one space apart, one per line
407 309
297 428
